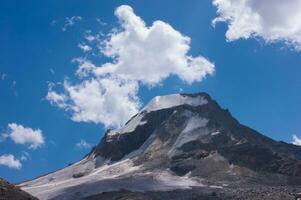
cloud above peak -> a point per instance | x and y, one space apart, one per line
138 55
150 54
272 20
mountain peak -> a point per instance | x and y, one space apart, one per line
160 103
178 141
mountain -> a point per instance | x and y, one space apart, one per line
180 146
11 192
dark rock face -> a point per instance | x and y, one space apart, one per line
119 145
239 144
11 192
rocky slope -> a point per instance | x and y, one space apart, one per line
178 143
11 192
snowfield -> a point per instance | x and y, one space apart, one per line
108 177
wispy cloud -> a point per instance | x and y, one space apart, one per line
52 71
13 87
70 21
53 22
82 144
85 48
100 22
10 161
24 156
3 76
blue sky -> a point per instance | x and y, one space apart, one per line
257 78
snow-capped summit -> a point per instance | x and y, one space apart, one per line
168 101
159 103
176 142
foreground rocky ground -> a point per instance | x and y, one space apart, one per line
11 192
239 193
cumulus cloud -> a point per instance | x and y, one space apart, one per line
10 161
110 101
70 21
272 20
139 55
296 140
82 144
22 135
151 54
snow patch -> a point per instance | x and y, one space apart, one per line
216 187
193 130
194 123
215 133
54 184
171 181
168 101
130 126
84 166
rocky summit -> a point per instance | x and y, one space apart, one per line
180 146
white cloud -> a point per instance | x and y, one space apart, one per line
56 99
85 67
100 22
82 144
151 54
70 21
110 101
272 20
140 55
296 140
84 47
90 37
10 161
22 135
